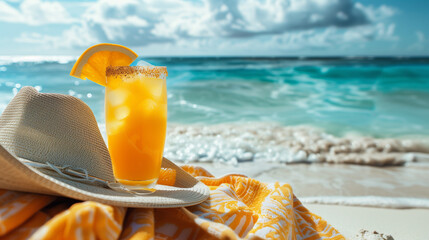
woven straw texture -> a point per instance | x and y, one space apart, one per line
62 130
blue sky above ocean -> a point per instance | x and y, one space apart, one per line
217 27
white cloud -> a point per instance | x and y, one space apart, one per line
282 24
379 31
376 14
421 43
34 12
36 38
420 37
314 39
8 13
168 20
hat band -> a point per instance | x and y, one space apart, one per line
81 175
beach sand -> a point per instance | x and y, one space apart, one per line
401 224
394 187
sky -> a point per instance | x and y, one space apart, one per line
217 27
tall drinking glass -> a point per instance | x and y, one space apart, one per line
136 123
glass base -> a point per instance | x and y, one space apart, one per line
139 187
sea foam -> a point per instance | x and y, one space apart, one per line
369 201
231 143
6 60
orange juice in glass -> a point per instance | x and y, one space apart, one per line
136 123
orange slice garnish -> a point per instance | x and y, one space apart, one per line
93 62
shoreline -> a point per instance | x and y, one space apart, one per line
341 184
222 149
237 148
351 202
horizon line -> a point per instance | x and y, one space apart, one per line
230 56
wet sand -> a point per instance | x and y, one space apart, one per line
394 187
387 202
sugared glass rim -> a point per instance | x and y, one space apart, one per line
150 71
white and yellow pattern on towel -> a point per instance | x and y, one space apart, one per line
238 208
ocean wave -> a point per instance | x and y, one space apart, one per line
232 143
379 98
7 60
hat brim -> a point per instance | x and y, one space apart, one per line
15 175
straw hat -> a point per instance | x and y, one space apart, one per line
51 144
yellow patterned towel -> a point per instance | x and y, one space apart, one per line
238 208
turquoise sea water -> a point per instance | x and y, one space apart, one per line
381 97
